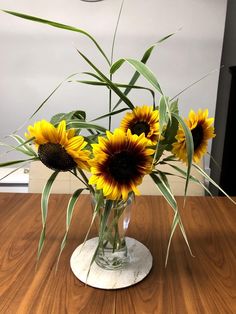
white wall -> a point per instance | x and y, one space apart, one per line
36 57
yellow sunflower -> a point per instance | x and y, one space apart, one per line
201 129
58 148
142 120
119 164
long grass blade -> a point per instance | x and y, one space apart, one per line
144 59
85 125
200 170
14 162
69 213
168 195
107 80
43 103
44 210
111 114
142 69
22 141
189 147
58 25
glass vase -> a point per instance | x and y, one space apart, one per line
113 220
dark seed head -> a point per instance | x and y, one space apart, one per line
140 127
123 166
55 157
197 134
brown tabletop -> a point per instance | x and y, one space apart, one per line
203 284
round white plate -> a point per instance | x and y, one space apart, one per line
138 268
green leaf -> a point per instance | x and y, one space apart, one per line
43 103
69 214
110 83
191 177
72 115
24 144
107 210
99 202
144 59
189 147
142 69
14 170
200 170
163 118
59 25
20 149
14 162
111 114
95 83
165 191
173 227
170 134
93 75
44 210
85 125
174 106
168 195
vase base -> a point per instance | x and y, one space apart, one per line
136 270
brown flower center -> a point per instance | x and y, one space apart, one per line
55 157
140 127
197 134
123 166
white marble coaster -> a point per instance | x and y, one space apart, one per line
138 268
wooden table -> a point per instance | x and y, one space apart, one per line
204 284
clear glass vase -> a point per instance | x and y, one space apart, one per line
113 221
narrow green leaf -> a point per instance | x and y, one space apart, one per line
115 32
12 171
43 103
69 214
24 144
45 195
144 59
111 114
95 83
93 75
85 125
195 82
173 227
14 162
212 181
189 147
191 177
58 25
165 191
143 70
99 201
44 210
107 210
168 195
107 80
19 149
163 118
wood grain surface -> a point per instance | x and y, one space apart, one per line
205 283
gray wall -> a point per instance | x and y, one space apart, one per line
35 57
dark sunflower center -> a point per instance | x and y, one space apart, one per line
140 127
55 157
123 166
197 134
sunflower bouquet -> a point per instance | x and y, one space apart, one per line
111 164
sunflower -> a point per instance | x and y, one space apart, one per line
142 120
202 130
58 148
119 164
